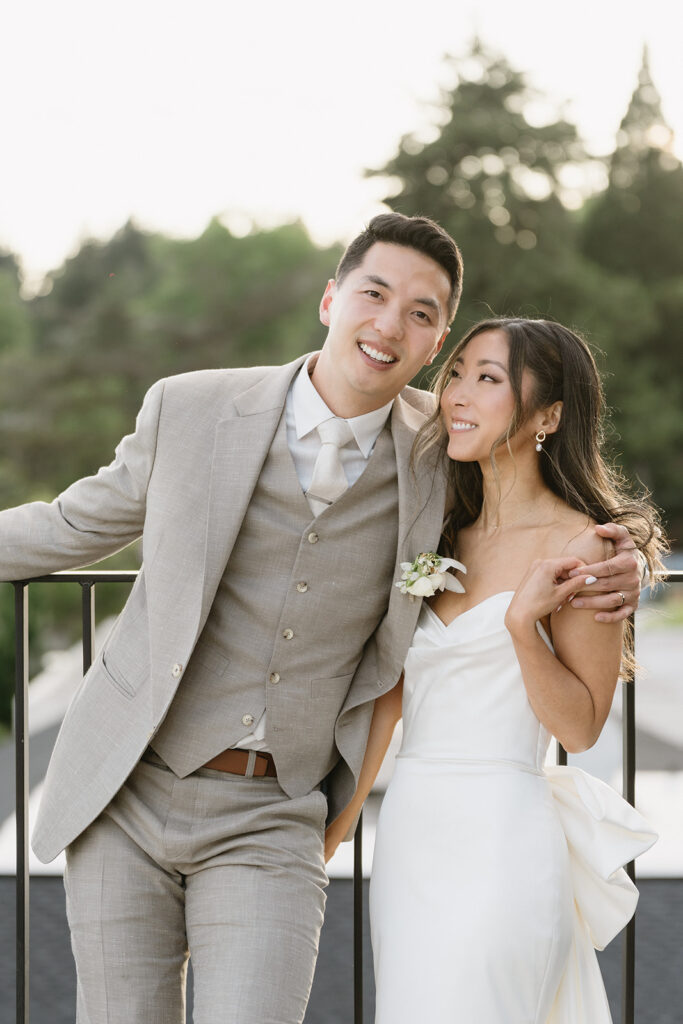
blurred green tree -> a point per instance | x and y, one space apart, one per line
16 320
634 228
493 177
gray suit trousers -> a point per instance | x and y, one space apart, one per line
226 869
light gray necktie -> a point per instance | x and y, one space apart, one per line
329 479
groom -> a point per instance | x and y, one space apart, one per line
275 505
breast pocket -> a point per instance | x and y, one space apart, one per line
331 690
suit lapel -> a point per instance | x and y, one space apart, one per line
421 496
241 445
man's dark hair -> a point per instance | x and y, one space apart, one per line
419 233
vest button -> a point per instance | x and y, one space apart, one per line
274 678
288 634
247 719
176 670
313 538
302 587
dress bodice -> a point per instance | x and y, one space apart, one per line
463 692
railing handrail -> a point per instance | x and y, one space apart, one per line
88 579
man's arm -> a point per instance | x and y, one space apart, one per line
616 591
92 518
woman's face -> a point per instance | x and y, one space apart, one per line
478 403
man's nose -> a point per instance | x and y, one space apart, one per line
389 323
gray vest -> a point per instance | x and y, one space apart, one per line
297 602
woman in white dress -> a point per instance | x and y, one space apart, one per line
495 877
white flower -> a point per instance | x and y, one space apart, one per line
422 587
428 573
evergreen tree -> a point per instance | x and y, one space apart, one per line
493 180
635 227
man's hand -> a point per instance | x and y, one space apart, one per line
616 590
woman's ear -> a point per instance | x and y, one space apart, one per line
549 419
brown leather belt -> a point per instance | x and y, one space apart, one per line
236 762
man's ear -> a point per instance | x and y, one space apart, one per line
438 347
326 301
549 419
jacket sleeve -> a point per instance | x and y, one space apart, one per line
92 518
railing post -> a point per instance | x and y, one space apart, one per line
358 923
22 793
628 761
88 619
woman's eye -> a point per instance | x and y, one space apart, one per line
454 373
487 376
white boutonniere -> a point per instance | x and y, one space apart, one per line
427 574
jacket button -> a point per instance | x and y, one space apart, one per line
274 678
176 670
313 538
302 587
247 719
288 634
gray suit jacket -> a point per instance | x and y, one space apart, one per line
183 481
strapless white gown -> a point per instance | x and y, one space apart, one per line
494 878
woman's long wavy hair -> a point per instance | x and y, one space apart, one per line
563 369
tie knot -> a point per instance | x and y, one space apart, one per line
335 431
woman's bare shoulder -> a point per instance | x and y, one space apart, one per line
577 537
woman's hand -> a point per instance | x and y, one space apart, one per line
545 587
334 835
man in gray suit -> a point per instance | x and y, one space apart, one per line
275 505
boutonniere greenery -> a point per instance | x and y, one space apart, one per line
429 573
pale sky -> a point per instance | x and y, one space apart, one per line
175 112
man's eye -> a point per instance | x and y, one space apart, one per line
372 293
421 315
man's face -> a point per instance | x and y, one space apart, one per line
386 319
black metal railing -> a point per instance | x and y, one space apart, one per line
87 582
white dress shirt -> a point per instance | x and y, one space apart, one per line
304 410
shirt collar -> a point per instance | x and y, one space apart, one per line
310 411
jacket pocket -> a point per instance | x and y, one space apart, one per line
117 678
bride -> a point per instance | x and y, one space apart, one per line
495 877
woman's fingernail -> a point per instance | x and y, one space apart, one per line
577 604
590 579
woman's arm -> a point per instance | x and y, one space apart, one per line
571 690
386 714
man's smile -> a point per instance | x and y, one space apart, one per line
376 355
